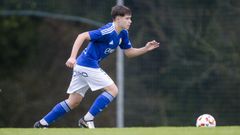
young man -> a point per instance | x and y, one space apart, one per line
87 72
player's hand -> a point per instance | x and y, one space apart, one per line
152 45
71 62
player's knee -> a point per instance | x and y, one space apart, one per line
113 90
72 104
74 100
75 104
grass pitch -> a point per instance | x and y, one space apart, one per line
226 130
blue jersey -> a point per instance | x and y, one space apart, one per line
103 42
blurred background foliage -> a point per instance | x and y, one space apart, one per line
196 70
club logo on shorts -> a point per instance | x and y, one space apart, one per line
77 73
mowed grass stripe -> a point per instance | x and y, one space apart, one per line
225 130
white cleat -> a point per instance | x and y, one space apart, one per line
86 124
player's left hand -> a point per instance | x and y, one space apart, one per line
152 45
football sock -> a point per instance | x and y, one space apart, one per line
88 117
99 104
59 110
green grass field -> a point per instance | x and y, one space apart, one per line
226 130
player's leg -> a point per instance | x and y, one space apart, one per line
101 102
59 110
98 79
74 100
76 91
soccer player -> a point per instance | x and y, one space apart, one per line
87 72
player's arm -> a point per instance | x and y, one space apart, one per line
76 46
134 52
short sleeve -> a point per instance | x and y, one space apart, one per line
95 35
126 44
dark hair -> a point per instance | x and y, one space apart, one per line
120 10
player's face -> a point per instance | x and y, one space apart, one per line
125 21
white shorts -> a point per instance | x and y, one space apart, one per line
84 78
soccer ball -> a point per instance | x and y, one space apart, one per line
206 120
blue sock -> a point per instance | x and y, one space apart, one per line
59 110
100 103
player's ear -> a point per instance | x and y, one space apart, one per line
117 18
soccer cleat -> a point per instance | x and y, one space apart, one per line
86 124
39 125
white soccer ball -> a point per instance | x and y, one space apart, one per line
206 120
